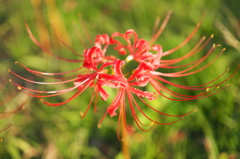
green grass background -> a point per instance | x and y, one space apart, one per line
43 132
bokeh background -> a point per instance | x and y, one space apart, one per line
39 131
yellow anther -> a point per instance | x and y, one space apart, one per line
207 89
81 114
195 110
198 25
99 126
19 88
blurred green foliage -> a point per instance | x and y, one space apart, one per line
45 132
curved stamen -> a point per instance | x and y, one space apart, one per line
195 50
138 107
4 129
181 73
181 115
68 47
136 119
53 93
90 103
47 73
68 100
46 49
162 27
47 83
185 41
196 87
160 87
8 114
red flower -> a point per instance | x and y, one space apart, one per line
100 70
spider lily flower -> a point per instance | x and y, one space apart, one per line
100 70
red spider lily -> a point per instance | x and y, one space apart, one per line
100 70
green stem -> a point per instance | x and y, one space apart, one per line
125 144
